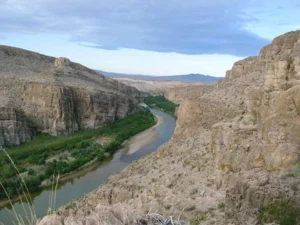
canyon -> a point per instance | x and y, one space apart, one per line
234 153
42 94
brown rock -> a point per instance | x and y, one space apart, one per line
62 62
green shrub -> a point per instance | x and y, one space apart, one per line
22 169
197 220
279 212
37 158
83 144
7 170
100 155
194 191
221 205
295 170
31 171
42 161
112 147
162 103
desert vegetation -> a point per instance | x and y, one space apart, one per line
279 212
161 103
45 156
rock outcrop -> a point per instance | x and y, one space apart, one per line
62 62
15 127
235 150
180 94
56 96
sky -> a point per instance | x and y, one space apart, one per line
158 37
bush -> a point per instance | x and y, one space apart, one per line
42 161
295 170
197 220
83 144
221 205
37 159
100 155
31 171
162 103
112 147
279 212
7 170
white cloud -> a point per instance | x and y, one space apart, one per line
187 27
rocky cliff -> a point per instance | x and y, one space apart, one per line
55 96
235 151
180 94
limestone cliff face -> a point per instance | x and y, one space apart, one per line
266 137
271 118
238 145
253 117
179 94
57 96
15 127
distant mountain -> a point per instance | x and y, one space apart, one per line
184 78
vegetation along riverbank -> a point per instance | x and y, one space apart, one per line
161 103
37 160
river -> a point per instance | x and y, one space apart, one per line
92 177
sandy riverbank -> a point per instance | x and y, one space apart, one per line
144 138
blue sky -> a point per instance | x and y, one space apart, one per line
156 37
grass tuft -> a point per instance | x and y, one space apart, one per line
281 212
197 220
28 216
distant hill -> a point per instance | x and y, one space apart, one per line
184 78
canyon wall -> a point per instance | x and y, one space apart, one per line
235 151
56 96
191 92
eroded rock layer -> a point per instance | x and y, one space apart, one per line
180 94
56 96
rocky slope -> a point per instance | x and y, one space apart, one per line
235 151
55 96
180 94
155 87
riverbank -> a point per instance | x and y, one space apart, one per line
144 138
75 152
129 147
93 176
161 103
